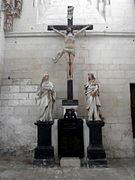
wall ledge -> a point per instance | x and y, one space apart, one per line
52 34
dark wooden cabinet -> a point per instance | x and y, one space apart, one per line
70 138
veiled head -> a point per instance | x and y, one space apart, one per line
91 76
46 76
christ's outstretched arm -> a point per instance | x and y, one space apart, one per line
60 33
81 30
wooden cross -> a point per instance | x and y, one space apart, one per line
70 22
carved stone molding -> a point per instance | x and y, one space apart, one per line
12 9
18 7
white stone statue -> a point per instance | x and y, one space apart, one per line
46 98
92 98
69 49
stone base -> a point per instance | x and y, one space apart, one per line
44 152
70 162
96 163
96 156
44 156
44 162
96 153
70 102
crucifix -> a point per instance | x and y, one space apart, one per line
69 50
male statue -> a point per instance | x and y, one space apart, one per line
92 98
69 49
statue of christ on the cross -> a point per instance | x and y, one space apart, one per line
69 49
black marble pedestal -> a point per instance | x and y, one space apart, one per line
44 152
96 156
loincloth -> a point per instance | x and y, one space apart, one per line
72 51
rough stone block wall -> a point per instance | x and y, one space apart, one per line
18 112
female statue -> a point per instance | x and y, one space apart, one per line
46 98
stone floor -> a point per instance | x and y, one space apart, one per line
117 170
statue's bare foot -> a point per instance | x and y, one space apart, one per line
54 59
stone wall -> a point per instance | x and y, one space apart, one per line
107 51
119 17
1 40
109 57
18 112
